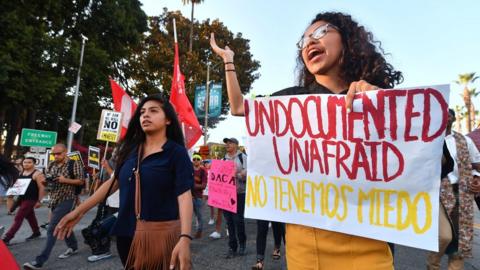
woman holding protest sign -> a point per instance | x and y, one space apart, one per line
336 56
154 174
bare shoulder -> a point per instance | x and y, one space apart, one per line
37 174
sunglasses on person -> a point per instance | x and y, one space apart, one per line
196 159
317 34
57 153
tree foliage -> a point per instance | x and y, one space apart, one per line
151 66
40 43
467 94
40 46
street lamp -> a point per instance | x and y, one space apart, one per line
75 97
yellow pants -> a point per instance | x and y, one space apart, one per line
309 248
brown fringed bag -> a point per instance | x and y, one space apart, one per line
153 241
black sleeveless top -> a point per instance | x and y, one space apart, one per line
32 190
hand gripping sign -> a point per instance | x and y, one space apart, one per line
372 172
222 191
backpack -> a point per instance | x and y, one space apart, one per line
239 156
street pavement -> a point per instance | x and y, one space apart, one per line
206 253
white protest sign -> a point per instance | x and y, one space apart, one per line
20 187
109 126
372 172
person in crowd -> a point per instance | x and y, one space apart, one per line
457 191
29 201
8 175
63 176
101 250
236 221
217 234
199 184
278 229
19 163
475 136
206 167
155 177
11 203
336 55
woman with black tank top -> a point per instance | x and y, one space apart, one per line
28 201
336 55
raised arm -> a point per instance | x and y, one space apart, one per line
235 96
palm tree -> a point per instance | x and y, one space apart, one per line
464 80
193 2
459 117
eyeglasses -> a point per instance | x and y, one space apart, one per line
57 154
317 34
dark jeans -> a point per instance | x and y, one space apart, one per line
197 210
103 245
262 231
61 210
236 224
26 211
123 247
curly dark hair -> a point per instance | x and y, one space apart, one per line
361 58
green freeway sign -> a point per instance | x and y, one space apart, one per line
34 137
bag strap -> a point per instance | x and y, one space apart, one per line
240 156
70 168
138 195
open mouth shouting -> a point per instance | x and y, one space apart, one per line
314 54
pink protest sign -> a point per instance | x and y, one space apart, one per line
222 191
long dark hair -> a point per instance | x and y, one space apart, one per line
135 135
361 58
8 171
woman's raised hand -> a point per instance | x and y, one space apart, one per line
226 54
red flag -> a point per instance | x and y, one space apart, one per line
7 261
178 98
122 102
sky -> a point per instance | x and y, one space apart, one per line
430 41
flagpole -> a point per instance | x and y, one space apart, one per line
175 31
176 41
